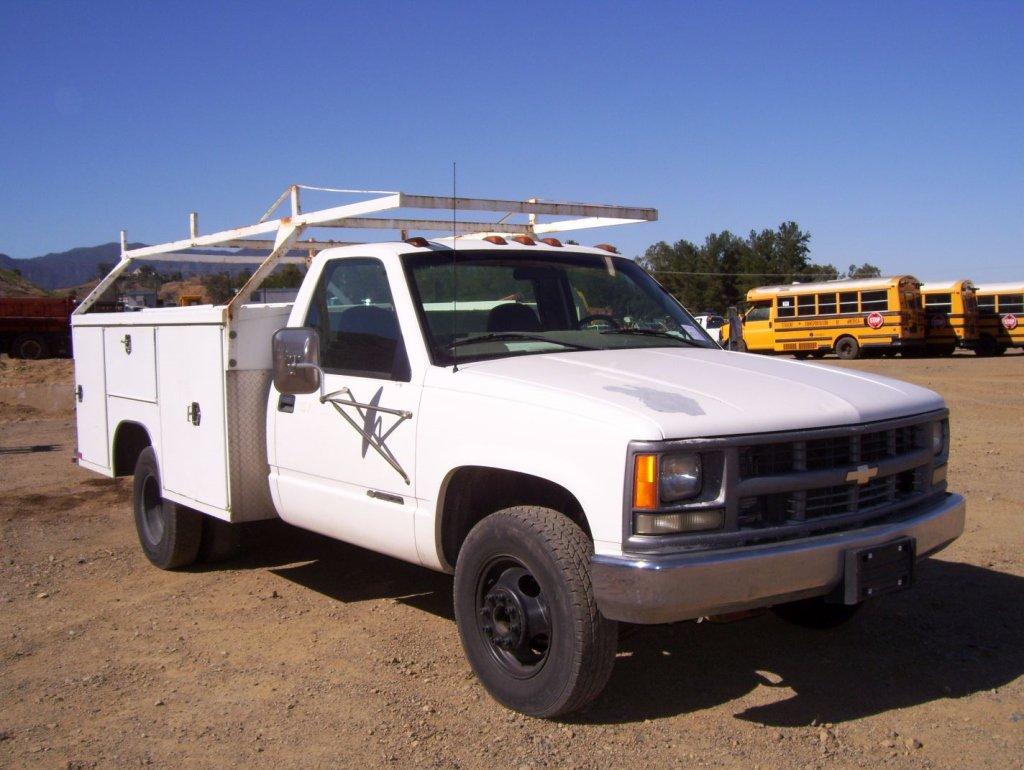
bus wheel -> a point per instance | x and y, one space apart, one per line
999 350
986 346
847 348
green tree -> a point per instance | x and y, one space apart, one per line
866 270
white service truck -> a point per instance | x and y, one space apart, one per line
542 420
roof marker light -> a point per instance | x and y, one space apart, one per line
552 242
607 247
496 240
417 241
524 239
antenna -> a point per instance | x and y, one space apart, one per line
455 275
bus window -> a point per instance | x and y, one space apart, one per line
805 304
987 304
1011 303
874 300
848 302
826 303
760 311
943 302
786 309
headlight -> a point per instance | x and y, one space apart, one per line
680 477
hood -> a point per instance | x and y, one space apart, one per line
690 393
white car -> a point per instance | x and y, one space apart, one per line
712 324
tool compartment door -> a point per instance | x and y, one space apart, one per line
90 395
193 460
130 362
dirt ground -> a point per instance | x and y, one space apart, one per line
305 652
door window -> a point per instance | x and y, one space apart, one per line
354 313
759 311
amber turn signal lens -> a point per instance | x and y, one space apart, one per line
645 481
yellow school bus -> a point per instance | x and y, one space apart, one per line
850 318
951 316
1000 317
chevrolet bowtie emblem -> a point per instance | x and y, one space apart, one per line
862 475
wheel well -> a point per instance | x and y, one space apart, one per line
475 492
130 439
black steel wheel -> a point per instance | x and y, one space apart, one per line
526 613
168 533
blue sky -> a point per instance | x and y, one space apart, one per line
894 132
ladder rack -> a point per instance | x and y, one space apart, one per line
287 245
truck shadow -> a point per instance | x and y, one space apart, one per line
957 632
343 572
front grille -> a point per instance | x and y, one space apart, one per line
814 504
788 460
833 452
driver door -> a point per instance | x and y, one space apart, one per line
757 327
345 466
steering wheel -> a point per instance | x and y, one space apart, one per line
610 320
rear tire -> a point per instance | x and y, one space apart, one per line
169 533
816 613
847 348
526 612
30 346
986 346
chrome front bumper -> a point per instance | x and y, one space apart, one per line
664 589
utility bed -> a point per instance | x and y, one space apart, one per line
203 388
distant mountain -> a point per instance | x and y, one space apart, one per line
77 266
65 268
14 285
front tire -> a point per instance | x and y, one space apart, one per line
526 612
168 533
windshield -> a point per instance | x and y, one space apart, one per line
521 303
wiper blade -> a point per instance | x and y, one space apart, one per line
502 336
654 333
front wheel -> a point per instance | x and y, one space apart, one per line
526 613
168 533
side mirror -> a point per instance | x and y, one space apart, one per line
296 355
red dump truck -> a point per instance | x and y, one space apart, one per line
36 327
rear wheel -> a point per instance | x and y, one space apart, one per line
30 346
815 613
847 348
986 346
526 612
169 533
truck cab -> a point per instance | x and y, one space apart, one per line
543 421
